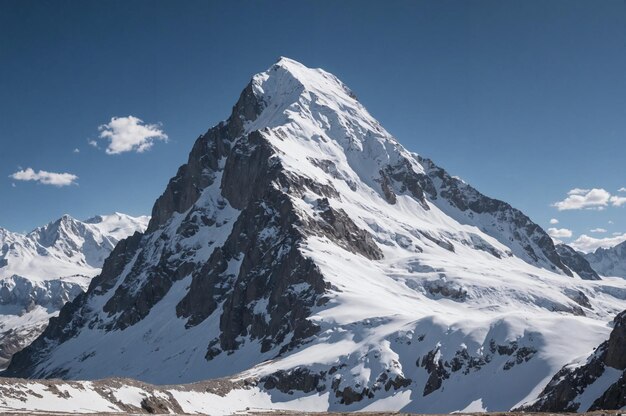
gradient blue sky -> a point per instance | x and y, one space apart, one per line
525 100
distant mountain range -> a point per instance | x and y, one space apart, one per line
609 261
306 260
42 270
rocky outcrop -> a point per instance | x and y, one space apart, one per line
440 370
563 392
576 262
616 345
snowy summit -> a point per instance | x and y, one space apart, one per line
302 248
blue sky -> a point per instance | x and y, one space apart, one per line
525 100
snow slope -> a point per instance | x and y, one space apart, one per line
303 249
44 269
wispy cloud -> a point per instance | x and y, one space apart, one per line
76 150
554 221
598 230
44 177
618 201
621 190
130 134
596 198
559 232
588 244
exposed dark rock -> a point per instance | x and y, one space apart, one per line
338 227
155 405
561 392
616 346
297 379
439 370
576 262
348 395
450 290
436 369
579 297
406 180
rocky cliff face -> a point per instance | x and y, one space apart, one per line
576 262
596 383
304 249
609 261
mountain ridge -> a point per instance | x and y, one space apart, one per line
304 247
609 261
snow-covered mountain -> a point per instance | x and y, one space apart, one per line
609 261
302 249
42 270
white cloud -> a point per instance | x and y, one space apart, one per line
616 234
578 191
618 201
621 190
559 232
46 178
596 198
610 222
76 150
554 221
598 230
13 185
588 244
127 134
93 143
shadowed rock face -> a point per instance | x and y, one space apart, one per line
576 262
562 392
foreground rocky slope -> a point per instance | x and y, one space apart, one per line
44 269
126 396
594 383
303 247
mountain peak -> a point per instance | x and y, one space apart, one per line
286 62
301 228
287 80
